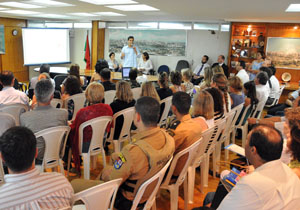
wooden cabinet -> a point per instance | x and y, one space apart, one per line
245 41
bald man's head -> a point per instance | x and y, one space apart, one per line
267 141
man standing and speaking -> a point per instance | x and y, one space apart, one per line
130 53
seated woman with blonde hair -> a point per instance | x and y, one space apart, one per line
148 89
124 99
94 95
203 109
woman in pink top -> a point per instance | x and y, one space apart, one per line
203 109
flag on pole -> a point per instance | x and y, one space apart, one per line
87 56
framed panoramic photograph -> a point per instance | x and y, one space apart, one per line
284 52
2 40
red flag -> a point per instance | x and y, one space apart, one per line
87 56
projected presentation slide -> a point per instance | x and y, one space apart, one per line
45 46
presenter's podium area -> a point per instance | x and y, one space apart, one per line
163 200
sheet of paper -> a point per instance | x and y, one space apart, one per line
236 148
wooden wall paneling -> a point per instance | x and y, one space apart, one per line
94 43
13 58
101 42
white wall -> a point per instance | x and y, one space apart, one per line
77 43
199 43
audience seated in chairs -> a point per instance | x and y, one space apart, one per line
237 95
208 74
44 115
74 71
40 77
184 129
9 95
25 187
152 147
71 87
148 89
124 99
220 81
203 110
176 79
187 77
132 76
164 91
94 96
101 64
105 80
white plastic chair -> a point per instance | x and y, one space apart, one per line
190 152
136 92
151 202
275 102
128 115
7 121
198 161
238 109
15 110
79 100
1 172
210 149
167 101
109 96
100 197
55 102
55 143
99 125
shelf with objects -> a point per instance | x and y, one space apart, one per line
246 41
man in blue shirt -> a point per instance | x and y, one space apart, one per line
130 53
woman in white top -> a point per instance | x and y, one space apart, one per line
112 62
145 65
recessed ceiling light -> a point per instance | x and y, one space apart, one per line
108 14
21 12
105 2
2 8
83 14
138 7
50 3
19 5
52 16
293 8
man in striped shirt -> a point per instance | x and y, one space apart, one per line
25 187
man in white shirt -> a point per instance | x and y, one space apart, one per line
274 87
242 74
272 185
199 70
9 95
130 53
25 187
262 89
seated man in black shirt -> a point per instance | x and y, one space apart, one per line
105 80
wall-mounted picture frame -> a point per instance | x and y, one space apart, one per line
2 40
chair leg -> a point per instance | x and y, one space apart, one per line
86 165
217 156
202 175
233 136
103 157
226 150
69 161
191 183
185 189
214 163
174 198
61 167
244 134
116 145
154 205
94 161
206 169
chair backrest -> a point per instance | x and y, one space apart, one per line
136 92
55 143
7 121
109 96
79 100
15 110
163 68
229 123
279 94
157 178
1 172
259 108
56 103
189 152
218 129
99 125
237 110
128 115
100 197
167 101
182 64
244 115
58 79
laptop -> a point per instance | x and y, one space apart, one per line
125 73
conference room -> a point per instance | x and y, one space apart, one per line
106 58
